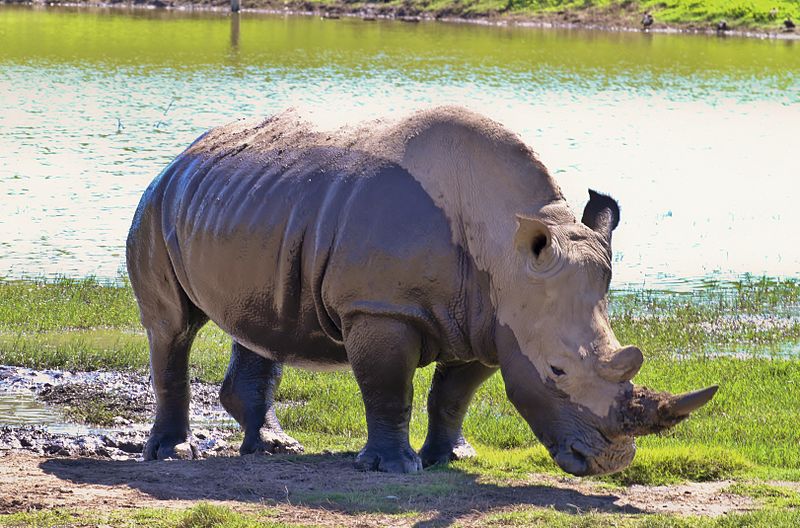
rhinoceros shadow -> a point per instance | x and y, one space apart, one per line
329 482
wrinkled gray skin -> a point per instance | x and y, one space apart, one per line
379 248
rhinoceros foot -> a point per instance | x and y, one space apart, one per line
272 442
442 453
166 447
388 461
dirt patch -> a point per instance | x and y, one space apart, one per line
94 404
326 489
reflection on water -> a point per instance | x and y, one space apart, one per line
21 408
234 31
695 136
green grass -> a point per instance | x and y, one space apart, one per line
552 519
201 516
743 336
211 516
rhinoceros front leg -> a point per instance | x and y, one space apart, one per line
248 395
384 354
451 392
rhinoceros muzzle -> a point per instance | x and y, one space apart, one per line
641 412
580 442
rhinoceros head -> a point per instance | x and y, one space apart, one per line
563 367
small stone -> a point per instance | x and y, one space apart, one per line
119 420
392 497
183 451
130 446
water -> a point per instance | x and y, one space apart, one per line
22 408
696 136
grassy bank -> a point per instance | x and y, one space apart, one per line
761 15
743 337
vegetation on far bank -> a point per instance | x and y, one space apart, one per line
763 15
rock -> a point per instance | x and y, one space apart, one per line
201 434
184 451
55 449
212 445
131 446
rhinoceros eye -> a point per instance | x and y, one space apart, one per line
557 371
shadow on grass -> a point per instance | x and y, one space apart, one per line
328 482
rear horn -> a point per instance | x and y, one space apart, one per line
622 365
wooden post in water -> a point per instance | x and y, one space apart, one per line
234 6
235 30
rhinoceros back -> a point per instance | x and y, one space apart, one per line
280 246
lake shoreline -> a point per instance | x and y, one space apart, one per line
587 20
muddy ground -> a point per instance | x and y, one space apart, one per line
100 468
102 414
326 489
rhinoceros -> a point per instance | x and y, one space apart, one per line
388 246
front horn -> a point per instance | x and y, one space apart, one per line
691 401
645 411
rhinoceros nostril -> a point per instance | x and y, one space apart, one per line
581 450
572 461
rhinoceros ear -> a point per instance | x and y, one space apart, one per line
601 214
535 241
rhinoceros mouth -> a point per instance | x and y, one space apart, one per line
573 461
581 459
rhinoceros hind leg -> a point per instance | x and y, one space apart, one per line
169 369
248 395
171 322
384 354
451 391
